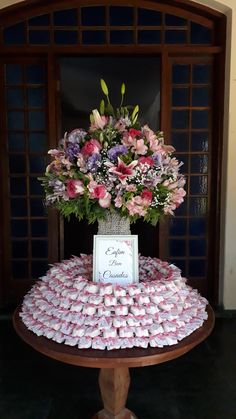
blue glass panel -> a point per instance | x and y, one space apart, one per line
175 37
19 207
185 167
178 227
39 248
199 163
37 141
180 119
39 37
182 209
200 34
66 17
201 73
172 20
200 96
36 97
65 37
36 120
35 186
181 264
121 16
198 185
121 37
199 141
14 74
14 34
200 119
38 269
148 17
20 270
17 163
15 98
197 268
35 74
180 73
39 228
93 16
149 37
15 120
177 248
36 208
197 206
37 164
197 226
43 20
180 97
18 185
197 248
180 140
16 141
93 37
19 228
20 249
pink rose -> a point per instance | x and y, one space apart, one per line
146 160
74 188
146 195
91 147
105 202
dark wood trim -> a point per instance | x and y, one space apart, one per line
217 152
53 225
29 8
165 127
4 207
109 49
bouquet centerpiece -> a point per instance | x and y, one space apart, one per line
117 165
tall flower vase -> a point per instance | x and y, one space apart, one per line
114 224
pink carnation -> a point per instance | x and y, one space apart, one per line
74 188
91 147
96 191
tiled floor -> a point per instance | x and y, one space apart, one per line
199 385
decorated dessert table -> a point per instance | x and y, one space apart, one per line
114 365
114 309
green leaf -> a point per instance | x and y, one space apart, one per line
104 87
102 107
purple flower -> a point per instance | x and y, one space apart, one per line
157 158
116 151
93 163
76 136
72 151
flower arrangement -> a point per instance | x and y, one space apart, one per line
117 165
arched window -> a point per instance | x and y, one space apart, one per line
185 43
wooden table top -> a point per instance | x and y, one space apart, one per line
135 357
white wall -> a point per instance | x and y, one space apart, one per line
228 222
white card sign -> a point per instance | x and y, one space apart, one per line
115 259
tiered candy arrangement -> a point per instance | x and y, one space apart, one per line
67 307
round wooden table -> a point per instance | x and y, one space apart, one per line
114 378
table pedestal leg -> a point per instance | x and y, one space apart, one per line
114 386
